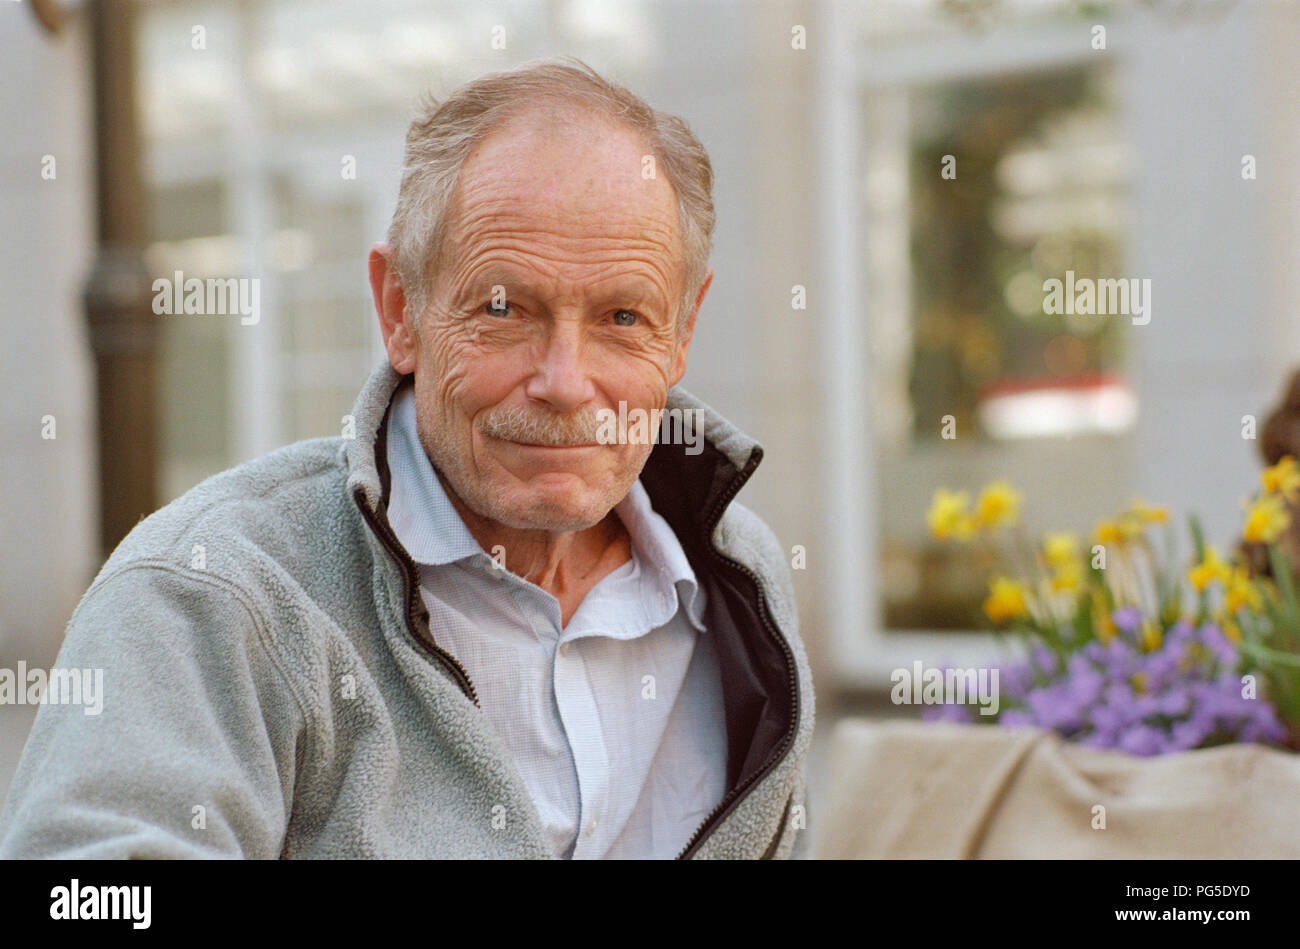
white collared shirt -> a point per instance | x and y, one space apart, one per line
616 721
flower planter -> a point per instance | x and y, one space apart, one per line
935 790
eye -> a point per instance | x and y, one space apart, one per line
625 318
492 309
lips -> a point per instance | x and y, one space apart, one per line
553 447
542 445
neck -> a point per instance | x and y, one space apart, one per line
566 564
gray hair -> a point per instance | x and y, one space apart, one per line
444 134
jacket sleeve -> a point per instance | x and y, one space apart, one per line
192 750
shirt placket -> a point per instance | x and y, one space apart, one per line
581 718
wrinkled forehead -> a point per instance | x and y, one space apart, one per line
559 173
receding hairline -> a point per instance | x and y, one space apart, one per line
574 116
563 93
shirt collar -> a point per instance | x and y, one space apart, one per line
659 549
421 514
432 531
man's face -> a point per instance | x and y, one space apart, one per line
557 296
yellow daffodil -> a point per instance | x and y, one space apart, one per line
1283 478
1151 636
1230 629
1208 570
1006 601
998 506
1067 578
1266 519
948 517
1108 532
1241 592
1148 514
1061 549
1130 526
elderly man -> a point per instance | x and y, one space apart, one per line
480 626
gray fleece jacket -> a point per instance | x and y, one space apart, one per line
271 686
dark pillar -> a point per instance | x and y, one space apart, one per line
118 296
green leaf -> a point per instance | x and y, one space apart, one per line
1198 536
1281 567
1085 630
1271 655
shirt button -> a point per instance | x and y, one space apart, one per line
564 649
591 828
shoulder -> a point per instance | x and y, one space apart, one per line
276 506
743 534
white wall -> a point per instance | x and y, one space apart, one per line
1218 250
48 519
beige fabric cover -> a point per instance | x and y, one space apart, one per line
917 789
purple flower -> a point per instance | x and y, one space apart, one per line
1185 694
1053 707
1175 702
1115 657
1224 652
1143 740
1120 696
1127 619
1159 670
1186 735
1085 681
1016 718
1015 681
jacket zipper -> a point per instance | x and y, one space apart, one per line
410 591
733 797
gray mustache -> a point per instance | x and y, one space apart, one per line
516 423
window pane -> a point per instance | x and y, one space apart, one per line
978 192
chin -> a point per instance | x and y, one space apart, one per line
554 502
550 514
563 504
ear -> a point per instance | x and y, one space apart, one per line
390 304
688 333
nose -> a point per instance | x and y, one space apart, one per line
560 377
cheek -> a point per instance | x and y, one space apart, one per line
465 378
647 388
653 365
